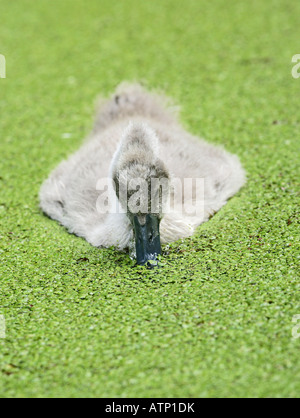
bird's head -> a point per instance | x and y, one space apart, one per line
142 186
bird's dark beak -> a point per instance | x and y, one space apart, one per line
147 239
